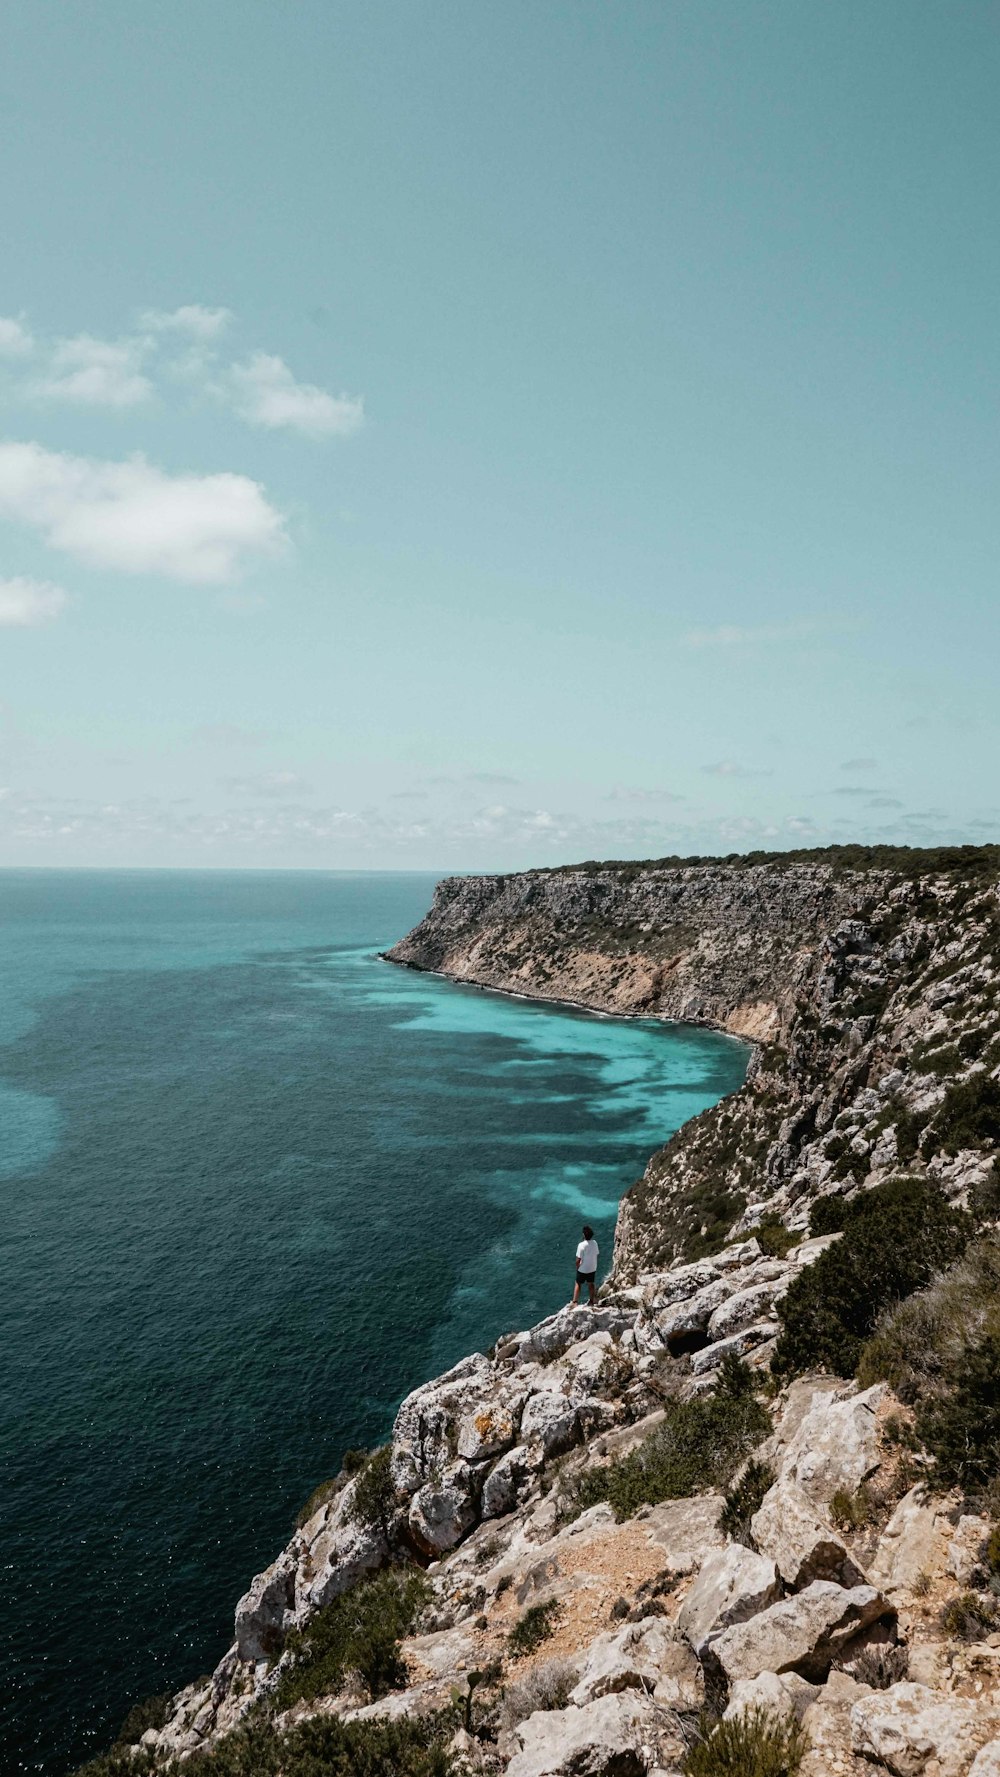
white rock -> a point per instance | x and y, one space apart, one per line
743 1307
625 1734
733 1584
805 1546
442 1511
914 1543
987 1761
836 1445
782 1696
803 1634
908 1726
628 1660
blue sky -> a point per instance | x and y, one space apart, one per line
468 436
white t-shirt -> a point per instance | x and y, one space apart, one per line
587 1253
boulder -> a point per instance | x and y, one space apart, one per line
507 1480
908 1726
616 1736
628 1660
737 1345
987 1761
267 1609
686 1529
914 1543
486 1432
424 1436
733 1585
743 1307
782 1696
836 1445
805 1547
803 1634
442 1511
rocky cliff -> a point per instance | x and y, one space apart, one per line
631 1525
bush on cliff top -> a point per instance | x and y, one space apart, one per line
941 1353
324 1747
896 1237
358 1632
700 1444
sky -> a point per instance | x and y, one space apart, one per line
459 436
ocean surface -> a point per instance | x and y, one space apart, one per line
256 1184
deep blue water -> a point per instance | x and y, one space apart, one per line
256 1184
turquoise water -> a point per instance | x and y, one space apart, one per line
256 1184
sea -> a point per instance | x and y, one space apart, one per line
256 1184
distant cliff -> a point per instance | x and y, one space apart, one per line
835 963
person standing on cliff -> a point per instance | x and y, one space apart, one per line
587 1254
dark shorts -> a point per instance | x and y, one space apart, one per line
585 1276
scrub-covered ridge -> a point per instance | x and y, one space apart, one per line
744 1517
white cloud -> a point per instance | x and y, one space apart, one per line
97 372
193 319
623 793
266 394
136 518
267 783
15 340
24 604
730 768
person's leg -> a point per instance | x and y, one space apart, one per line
576 1293
593 1298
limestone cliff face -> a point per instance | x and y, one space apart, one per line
870 992
708 944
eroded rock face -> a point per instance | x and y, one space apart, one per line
733 1584
622 1735
908 1726
803 1634
803 1545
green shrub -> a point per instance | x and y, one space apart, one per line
992 1551
775 1239
534 1627
358 1632
827 1214
121 1761
895 1238
325 1747
967 1117
961 1427
374 1498
851 1511
699 1445
968 1617
153 1712
320 1496
745 1499
756 1743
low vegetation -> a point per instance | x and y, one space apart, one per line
700 1444
896 1237
374 1500
757 1743
355 1635
536 1625
545 1687
744 1499
323 1747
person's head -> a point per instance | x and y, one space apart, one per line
588 1233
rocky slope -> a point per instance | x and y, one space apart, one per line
818 1591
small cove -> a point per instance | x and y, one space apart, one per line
257 1184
